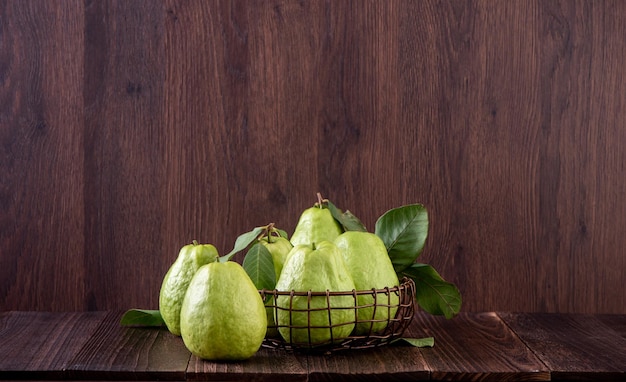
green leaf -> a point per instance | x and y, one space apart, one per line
404 231
242 242
259 265
273 231
281 232
427 342
346 219
433 294
142 317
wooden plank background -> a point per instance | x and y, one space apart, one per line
130 128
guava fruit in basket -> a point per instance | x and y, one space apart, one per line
370 268
309 320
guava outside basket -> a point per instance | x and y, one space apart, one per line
394 329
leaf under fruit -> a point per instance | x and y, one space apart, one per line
433 294
426 342
142 317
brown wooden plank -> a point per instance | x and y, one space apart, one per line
385 363
616 322
124 159
117 352
230 146
40 345
476 346
573 346
41 156
266 365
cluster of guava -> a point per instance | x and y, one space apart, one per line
327 258
220 314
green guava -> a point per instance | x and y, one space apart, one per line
370 267
223 316
315 225
177 279
306 320
279 248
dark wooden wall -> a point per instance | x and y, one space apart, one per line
129 128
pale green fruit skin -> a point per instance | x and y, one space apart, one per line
222 317
317 270
272 332
177 279
315 225
370 267
279 248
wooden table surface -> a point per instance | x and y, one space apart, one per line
472 346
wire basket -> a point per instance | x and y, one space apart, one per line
331 321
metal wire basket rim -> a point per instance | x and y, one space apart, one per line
306 327
406 283
337 308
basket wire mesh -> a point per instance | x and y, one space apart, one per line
374 330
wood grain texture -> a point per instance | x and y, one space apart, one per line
266 365
130 128
41 156
38 345
496 353
123 142
474 346
387 363
574 347
614 321
119 353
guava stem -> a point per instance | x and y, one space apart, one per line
268 232
319 199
